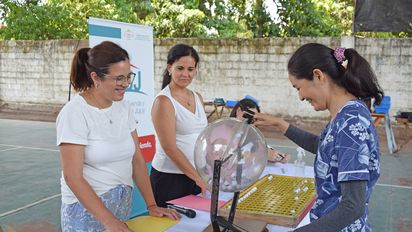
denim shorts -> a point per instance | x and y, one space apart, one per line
76 218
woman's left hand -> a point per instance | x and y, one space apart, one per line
164 212
275 156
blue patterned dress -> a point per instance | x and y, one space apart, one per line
348 150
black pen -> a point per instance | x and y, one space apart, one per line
281 155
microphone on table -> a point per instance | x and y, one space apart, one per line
188 212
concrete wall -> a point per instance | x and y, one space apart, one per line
391 59
35 74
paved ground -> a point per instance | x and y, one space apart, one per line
30 172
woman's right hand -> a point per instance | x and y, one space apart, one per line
116 225
261 119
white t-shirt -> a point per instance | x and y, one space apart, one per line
108 147
188 127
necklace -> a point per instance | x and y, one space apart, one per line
187 101
111 114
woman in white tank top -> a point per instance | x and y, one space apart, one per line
178 116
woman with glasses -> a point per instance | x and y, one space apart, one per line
99 147
178 116
248 104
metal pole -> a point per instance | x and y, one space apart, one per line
215 195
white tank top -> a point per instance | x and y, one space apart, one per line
188 127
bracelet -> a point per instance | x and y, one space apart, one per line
151 206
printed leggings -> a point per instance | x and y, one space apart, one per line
76 218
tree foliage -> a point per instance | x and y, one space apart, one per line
61 19
259 21
30 20
172 18
305 18
57 19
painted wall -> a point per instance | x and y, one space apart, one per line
34 75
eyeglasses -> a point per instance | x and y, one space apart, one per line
120 80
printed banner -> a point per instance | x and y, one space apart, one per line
137 40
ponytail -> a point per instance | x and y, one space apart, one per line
166 78
97 59
359 78
79 75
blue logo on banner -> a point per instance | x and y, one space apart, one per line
136 85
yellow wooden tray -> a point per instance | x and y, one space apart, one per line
278 200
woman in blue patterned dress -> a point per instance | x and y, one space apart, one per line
347 151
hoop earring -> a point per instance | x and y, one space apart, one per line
97 86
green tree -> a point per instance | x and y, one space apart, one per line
259 21
171 18
61 19
305 18
58 19
225 19
80 10
29 20
142 9
251 18
340 11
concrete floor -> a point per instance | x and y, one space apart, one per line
30 173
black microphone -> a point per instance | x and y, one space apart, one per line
188 212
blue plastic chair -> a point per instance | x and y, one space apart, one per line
384 106
383 109
231 103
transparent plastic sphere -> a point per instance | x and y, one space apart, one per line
245 146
